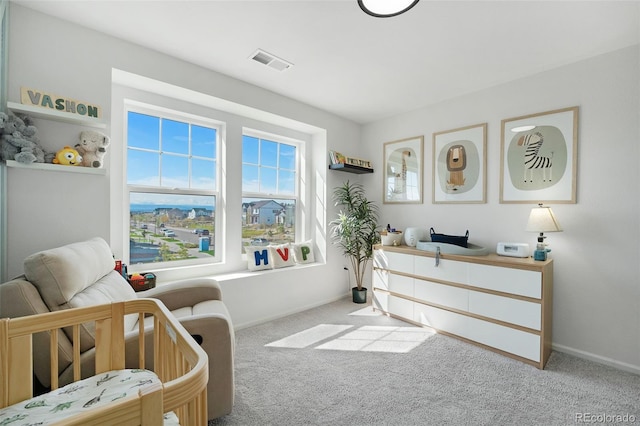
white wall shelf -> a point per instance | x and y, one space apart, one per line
51 114
57 168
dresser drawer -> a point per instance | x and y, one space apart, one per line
393 261
508 280
381 301
389 281
514 311
380 279
441 294
440 319
521 343
401 307
447 270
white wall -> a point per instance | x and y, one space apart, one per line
47 209
596 259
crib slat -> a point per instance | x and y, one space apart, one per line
4 362
20 374
53 355
103 345
141 340
76 352
151 405
117 336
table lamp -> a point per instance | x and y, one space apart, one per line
542 220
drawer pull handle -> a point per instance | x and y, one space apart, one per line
437 256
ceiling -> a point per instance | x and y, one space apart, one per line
360 67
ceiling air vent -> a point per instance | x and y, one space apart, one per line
270 60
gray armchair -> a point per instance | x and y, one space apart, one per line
82 274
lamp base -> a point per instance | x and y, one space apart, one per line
540 254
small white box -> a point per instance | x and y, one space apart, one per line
513 249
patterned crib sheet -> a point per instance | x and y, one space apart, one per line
78 397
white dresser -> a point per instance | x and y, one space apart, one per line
500 303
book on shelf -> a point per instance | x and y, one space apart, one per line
336 158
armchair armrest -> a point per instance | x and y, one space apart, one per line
185 293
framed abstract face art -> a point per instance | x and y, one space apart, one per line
403 171
538 157
459 165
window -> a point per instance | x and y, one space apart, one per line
269 189
172 181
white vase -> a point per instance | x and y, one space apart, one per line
413 235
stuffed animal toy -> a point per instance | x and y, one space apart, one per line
19 141
68 156
92 148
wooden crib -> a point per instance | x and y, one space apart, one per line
180 369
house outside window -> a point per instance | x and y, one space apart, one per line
270 173
173 185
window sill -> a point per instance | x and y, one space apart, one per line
248 274
225 276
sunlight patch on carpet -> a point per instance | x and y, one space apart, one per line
368 338
380 339
310 336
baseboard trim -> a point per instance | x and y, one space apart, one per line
287 313
596 358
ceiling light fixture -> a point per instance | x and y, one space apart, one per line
386 8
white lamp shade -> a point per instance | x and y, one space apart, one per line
542 219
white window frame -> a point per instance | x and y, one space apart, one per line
218 237
300 153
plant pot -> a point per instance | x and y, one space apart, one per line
359 296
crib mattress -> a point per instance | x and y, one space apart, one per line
78 397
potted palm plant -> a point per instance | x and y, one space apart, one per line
355 230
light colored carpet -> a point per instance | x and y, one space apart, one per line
341 365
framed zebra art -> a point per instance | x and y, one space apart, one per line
403 171
539 157
460 165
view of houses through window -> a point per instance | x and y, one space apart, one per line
170 227
269 173
268 221
172 183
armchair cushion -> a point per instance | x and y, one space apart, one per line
61 273
79 275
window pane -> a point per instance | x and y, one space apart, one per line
143 131
175 171
268 180
143 168
250 147
268 153
203 142
286 182
203 174
287 157
268 221
175 137
170 227
250 179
